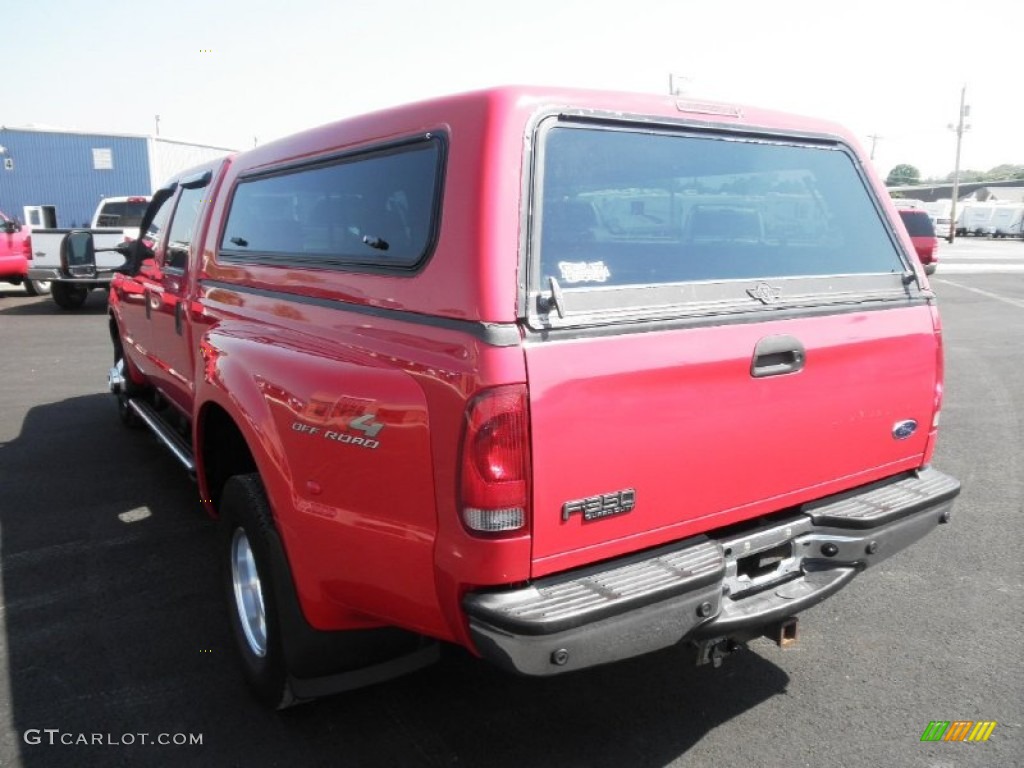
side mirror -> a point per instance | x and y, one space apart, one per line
78 254
10 227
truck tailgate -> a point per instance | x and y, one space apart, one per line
46 247
642 438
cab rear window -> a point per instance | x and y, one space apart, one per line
121 214
640 208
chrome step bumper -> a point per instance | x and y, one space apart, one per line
708 586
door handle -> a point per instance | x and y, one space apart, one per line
776 355
179 314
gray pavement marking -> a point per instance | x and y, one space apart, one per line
1005 299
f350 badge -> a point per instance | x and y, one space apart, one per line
598 507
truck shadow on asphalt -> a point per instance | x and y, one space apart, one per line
114 627
14 301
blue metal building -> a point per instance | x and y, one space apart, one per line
73 171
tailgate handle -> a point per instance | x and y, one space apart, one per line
776 355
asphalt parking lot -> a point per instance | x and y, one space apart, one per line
112 624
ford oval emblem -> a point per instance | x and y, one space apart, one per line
903 429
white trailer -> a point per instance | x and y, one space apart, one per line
939 211
976 219
1008 220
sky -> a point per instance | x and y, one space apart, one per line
234 72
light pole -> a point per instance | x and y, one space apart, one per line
965 110
874 140
679 85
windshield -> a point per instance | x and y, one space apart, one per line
630 208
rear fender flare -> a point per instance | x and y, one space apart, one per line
228 383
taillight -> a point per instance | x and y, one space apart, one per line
26 247
940 364
940 372
494 480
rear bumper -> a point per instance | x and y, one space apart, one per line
47 273
13 267
43 273
730 585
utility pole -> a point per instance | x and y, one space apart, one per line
965 110
679 85
157 119
874 140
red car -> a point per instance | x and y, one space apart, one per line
922 233
15 254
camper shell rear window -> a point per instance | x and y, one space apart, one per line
627 211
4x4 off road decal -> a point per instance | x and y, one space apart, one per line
363 423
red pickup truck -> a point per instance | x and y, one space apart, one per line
558 376
16 255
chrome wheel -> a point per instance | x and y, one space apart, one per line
248 593
37 287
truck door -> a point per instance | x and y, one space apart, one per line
133 295
165 289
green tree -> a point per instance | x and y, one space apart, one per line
967 176
1005 171
903 174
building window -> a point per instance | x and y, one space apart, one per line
102 159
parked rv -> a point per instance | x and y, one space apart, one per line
1008 220
975 219
939 212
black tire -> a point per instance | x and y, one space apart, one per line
68 295
129 389
293 662
246 533
37 287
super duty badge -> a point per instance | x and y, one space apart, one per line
605 505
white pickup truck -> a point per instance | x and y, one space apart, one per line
116 220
